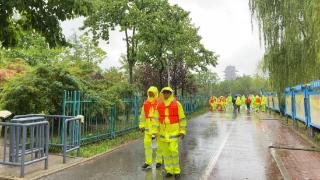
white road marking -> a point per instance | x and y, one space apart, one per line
214 159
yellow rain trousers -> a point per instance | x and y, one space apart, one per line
151 127
169 136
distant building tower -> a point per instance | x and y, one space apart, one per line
230 73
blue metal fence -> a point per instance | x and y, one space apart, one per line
102 122
302 103
276 102
312 104
269 100
273 101
288 103
64 131
119 118
24 144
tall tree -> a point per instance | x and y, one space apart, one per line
82 58
42 16
206 82
290 30
182 80
169 40
126 15
32 48
155 32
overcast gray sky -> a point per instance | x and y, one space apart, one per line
225 27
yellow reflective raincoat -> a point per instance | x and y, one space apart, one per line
213 103
238 101
168 130
170 133
149 122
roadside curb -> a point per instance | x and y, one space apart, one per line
280 164
276 158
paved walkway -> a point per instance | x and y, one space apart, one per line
218 146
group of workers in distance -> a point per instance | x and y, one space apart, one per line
237 102
163 122
219 104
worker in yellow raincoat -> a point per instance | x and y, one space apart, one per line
173 124
264 102
253 101
149 124
222 103
257 103
229 102
243 102
238 103
213 103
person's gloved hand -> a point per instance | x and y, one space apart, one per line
153 136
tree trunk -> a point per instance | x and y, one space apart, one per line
175 79
129 57
182 92
182 89
130 73
161 71
160 79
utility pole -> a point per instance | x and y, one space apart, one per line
168 72
168 67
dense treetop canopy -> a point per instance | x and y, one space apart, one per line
42 16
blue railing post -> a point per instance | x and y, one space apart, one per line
136 112
293 105
64 103
306 107
78 103
23 151
113 122
74 103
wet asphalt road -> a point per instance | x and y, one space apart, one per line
217 146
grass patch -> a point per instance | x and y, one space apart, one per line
316 137
302 131
90 150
